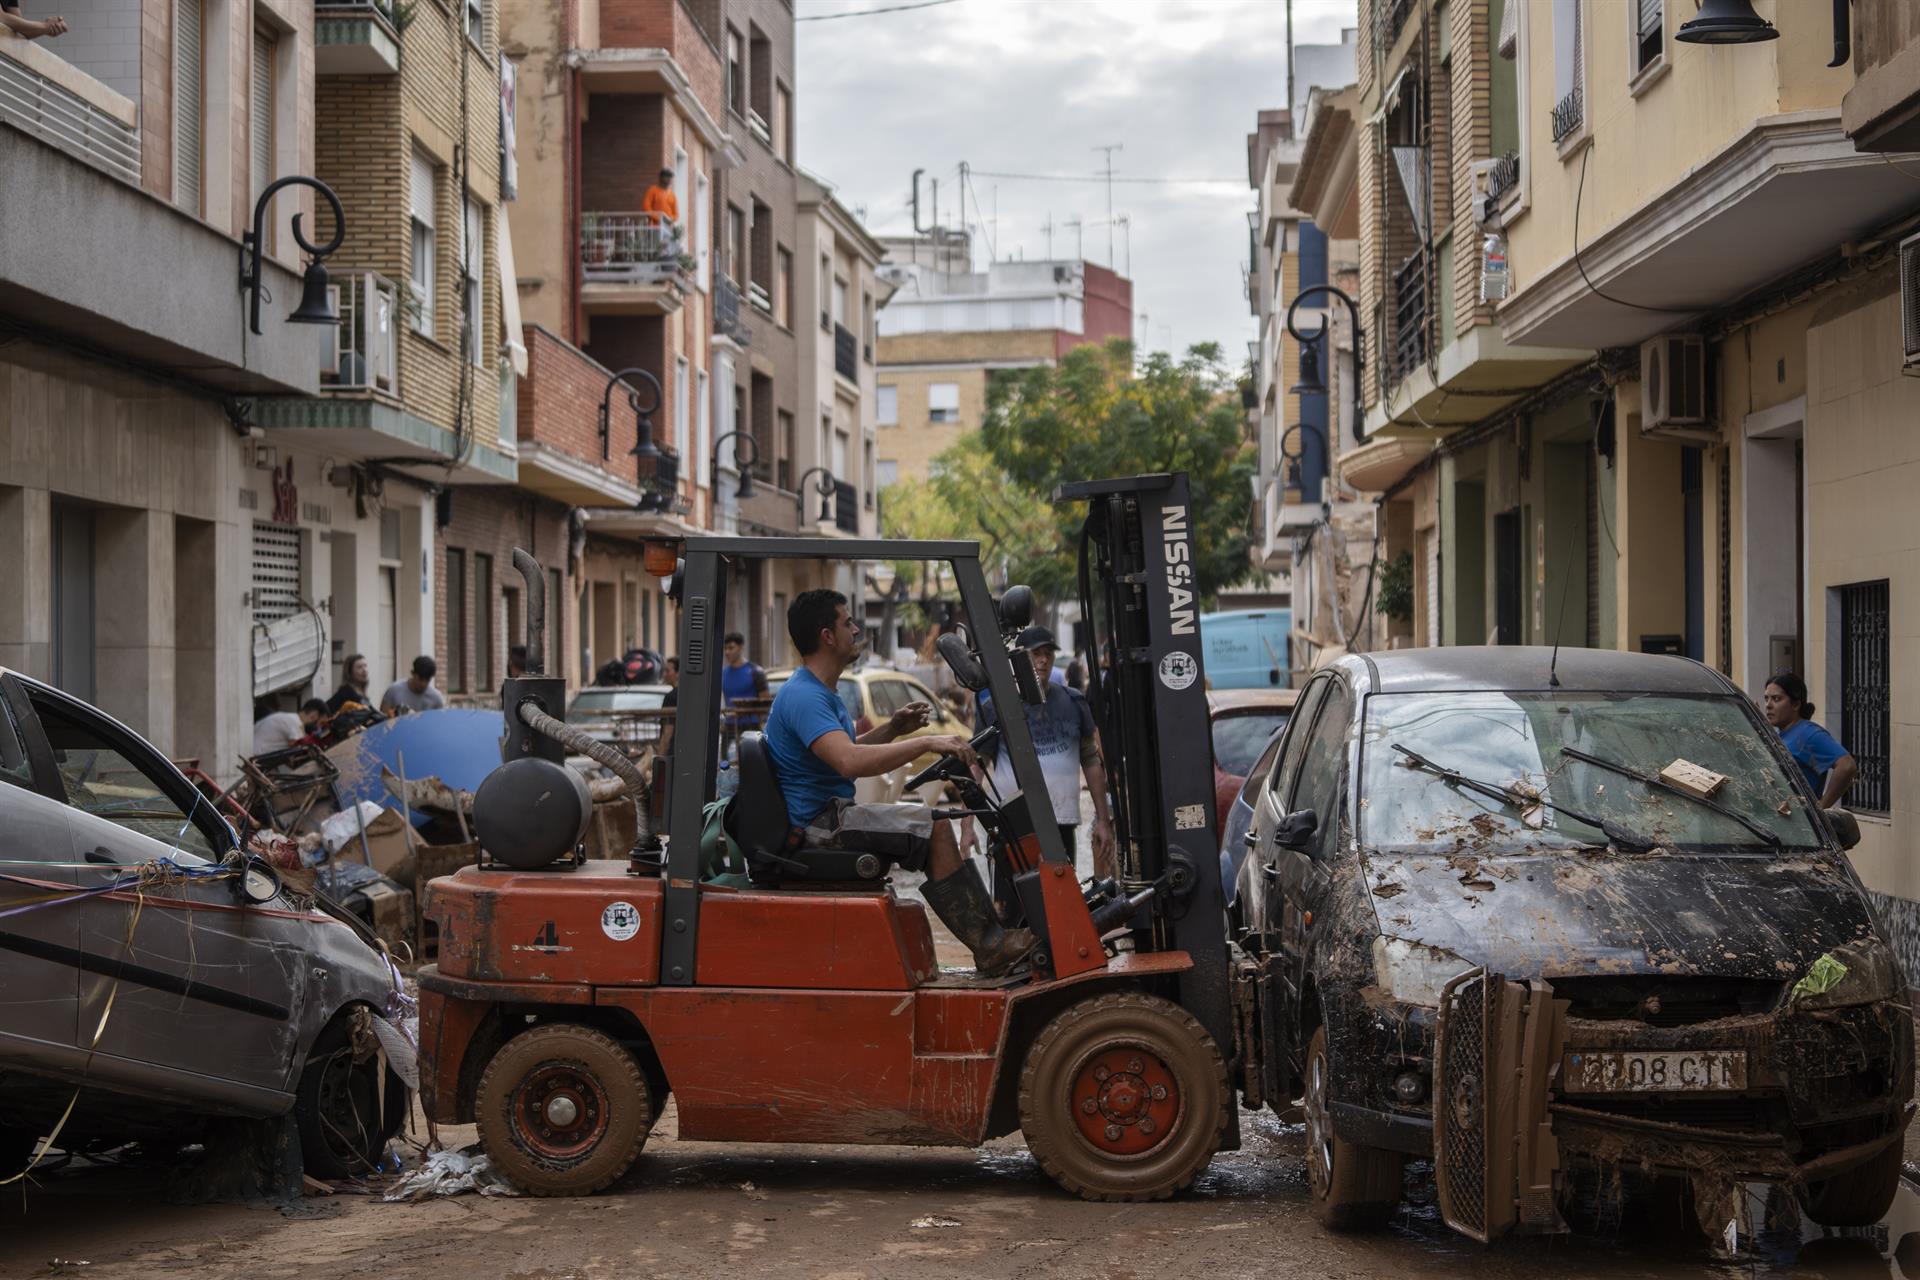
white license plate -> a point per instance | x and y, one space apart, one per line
1672 1071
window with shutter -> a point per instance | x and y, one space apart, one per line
943 402
188 104
472 258
1648 35
260 118
1569 106
421 276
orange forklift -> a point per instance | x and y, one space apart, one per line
571 997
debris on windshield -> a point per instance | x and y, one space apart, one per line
1823 977
1695 780
1529 799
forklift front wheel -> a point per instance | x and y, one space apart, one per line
1123 1097
563 1110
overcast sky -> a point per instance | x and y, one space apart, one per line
1032 87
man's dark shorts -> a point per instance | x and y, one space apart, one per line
901 832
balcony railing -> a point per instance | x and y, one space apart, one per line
361 353
1396 15
846 353
1502 178
631 248
1568 114
726 313
355 37
846 507
57 105
1410 315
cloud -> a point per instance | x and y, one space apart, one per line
1033 87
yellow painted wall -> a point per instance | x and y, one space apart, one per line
916 442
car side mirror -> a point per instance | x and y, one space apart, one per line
1296 829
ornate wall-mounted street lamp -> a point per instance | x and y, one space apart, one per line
745 468
314 306
645 448
826 489
1295 479
1311 383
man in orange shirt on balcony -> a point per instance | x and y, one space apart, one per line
659 204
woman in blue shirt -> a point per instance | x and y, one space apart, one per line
1827 764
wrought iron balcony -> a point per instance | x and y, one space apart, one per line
631 248
726 313
846 353
1395 18
361 353
1568 114
1502 178
1410 315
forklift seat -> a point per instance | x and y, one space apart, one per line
757 821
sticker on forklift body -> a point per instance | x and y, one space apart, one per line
1179 670
620 921
1190 817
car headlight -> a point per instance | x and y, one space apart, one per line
1862 973
1413 972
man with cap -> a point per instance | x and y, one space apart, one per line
1065 740
659 204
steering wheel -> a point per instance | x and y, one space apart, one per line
946 767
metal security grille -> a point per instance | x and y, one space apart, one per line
1459 1103
276 571
187 105
1865 692
260 114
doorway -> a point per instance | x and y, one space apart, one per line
386 640
1507 577
1773 518
73 599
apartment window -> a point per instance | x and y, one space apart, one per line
456 620
826 290
485 673
1569 77
421 276
680 188
886 406
783 288
189 103
784 472
885 474
736 73
839 301
697 217
682 420
1866 691
866 327
260 117
703 432
762 236
1503 108
736 264
1646 36
783 123
866 474
760 82
943 402
476 24
472 256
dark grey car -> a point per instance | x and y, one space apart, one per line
1490 934
164 991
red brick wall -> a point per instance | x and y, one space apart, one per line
560 403
702 60
494 520
1108 311
622 146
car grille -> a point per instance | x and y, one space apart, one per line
1460 1102
1666 1002
1729 1114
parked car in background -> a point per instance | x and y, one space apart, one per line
605 712
871 695
1552 921
1247 648
1246 728
173 993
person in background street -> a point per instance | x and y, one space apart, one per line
1065 740
27 28
659 203
353 685
1076 676
811 738
278 730
740 679
416 692
671 678
1828 765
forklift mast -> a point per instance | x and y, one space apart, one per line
1137 594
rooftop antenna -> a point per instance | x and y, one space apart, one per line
1126 243
1047 227
1110 148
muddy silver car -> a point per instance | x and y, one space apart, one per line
1540 920
148 969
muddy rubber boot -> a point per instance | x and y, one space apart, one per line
963 905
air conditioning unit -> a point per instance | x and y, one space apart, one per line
1910 304
1673 389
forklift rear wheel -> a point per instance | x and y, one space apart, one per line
1355 1188
563 1110
1123 1097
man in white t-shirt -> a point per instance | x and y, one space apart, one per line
278 730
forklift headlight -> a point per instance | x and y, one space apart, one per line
1412 972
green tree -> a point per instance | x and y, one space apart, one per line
1095 414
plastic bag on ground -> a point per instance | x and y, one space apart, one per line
448 1173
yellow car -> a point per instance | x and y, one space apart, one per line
871 695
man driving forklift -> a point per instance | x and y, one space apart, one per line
811 738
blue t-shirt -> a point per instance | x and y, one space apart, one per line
743 681
804 711
1814 749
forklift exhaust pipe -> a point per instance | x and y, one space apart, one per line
536 611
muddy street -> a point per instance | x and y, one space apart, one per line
697 1209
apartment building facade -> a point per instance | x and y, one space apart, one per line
130 456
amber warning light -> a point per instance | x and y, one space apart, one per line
660 558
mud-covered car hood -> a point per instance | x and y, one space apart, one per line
1564 914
